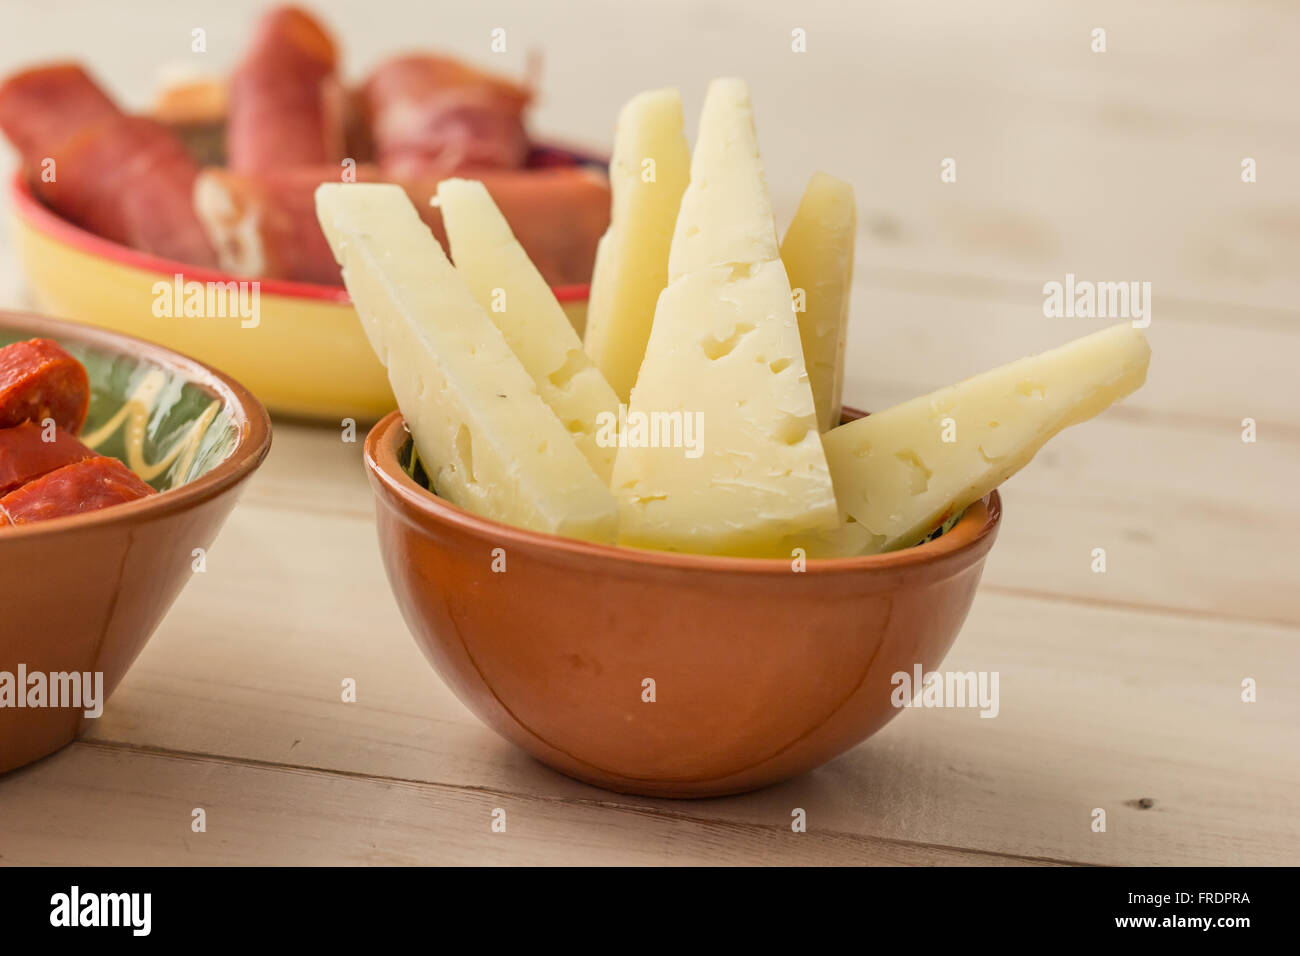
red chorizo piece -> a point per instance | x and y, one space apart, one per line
286 102
39 380
25 454
435 116
74 489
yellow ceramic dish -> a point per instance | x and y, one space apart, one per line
306 356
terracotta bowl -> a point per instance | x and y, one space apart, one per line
760 673
84 593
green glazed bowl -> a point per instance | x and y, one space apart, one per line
167 428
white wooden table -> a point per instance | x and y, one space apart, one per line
1115 688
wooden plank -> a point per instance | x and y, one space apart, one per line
1116 686
1152 497
1118 165
906 343
1100 706
92 805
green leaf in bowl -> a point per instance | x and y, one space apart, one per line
165 428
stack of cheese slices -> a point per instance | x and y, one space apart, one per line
698 317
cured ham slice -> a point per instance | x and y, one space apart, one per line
41 108
286 103
281 124
197 110
266 225
84 486
125 178
131 181
25 454
435 116
558 215
39 381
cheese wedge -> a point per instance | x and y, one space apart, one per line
518 300
725 350
818 254
647 175
726 212
902 472
488 441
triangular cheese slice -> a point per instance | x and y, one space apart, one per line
517 299
818 254
488 441
724 353
647 175
901 473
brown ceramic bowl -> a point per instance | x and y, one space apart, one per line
84 593
760 673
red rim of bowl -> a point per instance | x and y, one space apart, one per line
50 223
249 416
382 463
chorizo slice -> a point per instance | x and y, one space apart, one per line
25 454
39 380
74 489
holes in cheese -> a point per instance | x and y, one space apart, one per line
899 473
487 440
647 175
715 348
724 347
726 212
521 304
818 254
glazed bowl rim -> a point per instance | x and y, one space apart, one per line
978 523
249 417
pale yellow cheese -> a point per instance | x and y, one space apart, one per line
899 476
647 175
726 212
818 254
518 300
488 441
725 350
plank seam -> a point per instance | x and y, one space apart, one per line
657 812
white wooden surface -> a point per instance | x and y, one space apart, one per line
1115 687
